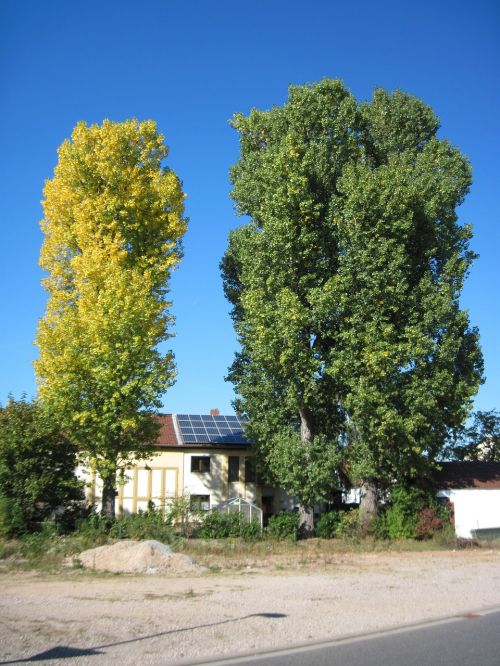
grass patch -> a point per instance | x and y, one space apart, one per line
47 550
227 555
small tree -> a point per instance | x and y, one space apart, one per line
113 223
37 467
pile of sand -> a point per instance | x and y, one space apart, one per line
137 557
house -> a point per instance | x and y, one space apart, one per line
474 490
204 456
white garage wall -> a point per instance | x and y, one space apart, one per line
475 509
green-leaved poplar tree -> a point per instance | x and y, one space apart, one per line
113 225
275 272
345 286
406 356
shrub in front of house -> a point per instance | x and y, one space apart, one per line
327 524
151 524
349 527
401 516
413 513
216 525
283 526
144 525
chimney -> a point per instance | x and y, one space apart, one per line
214 412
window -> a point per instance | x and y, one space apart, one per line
250 474
200 464
233 473
199 502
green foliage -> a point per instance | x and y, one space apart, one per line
413 513
405 507
406 354
307 472
217 525
183 518
328 523
47 548
345 287
275 272
402 514
283 526
37 466
251 530
481 440
150 524
349 527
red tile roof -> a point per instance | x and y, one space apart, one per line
167 435
456 475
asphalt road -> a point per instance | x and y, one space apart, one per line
472 640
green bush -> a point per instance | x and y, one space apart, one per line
184 520
380 526
402 513
6 516
216 525
37 466
144 525
414 514
94 528
284 526
327 524
47 548
251 531
349 528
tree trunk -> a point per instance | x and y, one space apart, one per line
306 513
108 496
306 522
368 506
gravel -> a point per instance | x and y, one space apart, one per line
88 618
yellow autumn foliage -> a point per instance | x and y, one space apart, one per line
113 221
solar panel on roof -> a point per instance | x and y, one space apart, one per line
208 429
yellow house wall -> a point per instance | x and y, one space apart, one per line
154 480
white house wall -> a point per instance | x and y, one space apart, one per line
474 509
215 484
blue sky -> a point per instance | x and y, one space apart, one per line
190 65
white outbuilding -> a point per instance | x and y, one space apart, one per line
473 488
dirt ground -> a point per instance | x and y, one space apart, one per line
237 606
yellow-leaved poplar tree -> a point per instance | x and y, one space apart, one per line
113 224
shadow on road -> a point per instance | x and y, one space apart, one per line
67 652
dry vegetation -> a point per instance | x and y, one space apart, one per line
312 555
